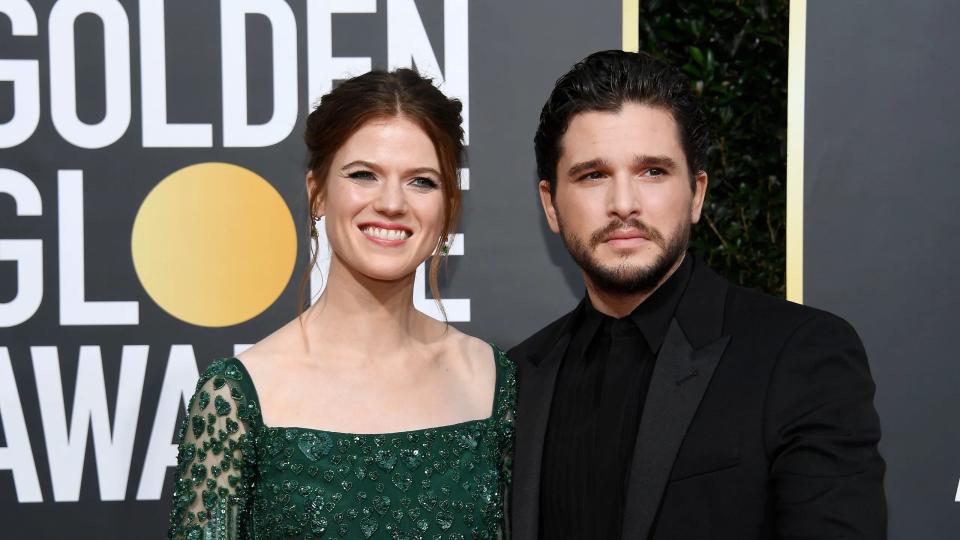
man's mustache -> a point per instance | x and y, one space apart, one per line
650 233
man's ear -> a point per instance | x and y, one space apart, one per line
700 182
546 200
314 186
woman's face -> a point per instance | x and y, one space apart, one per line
383 204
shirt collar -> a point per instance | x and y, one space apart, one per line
654 314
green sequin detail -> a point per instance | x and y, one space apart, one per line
199 425
239 479
222 406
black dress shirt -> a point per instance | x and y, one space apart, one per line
597 405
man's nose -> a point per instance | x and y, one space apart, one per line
622 197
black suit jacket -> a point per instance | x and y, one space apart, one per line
759 423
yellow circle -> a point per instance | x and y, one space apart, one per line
214 244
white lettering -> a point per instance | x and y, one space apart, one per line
236 129
17 455
322 66
25 76
63 80
457 309
113 449
408 45
74 307
28 254
157 132
179 383
322 266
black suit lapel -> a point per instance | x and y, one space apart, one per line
681 375
533 414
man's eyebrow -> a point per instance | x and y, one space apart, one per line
577 168
665 162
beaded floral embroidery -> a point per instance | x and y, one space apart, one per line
239 479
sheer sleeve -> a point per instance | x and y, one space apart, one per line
215 462
506 413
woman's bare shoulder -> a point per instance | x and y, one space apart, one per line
277 350
473 353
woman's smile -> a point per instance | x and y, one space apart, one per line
386 234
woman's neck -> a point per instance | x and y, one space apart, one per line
367 314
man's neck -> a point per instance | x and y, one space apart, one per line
618 304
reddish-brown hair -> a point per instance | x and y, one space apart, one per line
377 95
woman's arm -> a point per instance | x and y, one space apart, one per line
214 463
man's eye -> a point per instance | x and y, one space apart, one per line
362 175
424 182
593 175
656 172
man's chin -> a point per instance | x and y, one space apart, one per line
627 275
628 260
623 280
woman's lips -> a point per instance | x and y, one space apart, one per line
386 234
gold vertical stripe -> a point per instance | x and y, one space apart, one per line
631 25
796 68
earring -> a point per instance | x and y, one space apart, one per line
444 247
313 227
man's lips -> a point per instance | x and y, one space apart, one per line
628 234
626 239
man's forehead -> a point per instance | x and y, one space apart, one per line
634 129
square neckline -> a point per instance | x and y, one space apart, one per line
498 386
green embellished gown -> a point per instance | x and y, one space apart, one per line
238 479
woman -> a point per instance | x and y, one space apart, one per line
362 418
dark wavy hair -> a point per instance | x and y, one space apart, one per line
604 81
388 94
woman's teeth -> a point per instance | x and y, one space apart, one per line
385 234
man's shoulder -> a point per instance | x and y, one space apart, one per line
744 312
756 311
541 341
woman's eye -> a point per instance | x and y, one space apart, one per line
424 182
362 175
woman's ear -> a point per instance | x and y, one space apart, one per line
314 194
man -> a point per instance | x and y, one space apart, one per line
670 403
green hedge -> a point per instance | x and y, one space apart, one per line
735 53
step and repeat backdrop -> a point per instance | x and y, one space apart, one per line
881 229
152 215
152 211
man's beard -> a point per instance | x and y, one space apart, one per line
625 278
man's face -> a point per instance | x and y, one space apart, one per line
623 201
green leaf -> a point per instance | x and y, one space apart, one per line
696 55
734 53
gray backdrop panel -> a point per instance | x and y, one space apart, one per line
881 229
